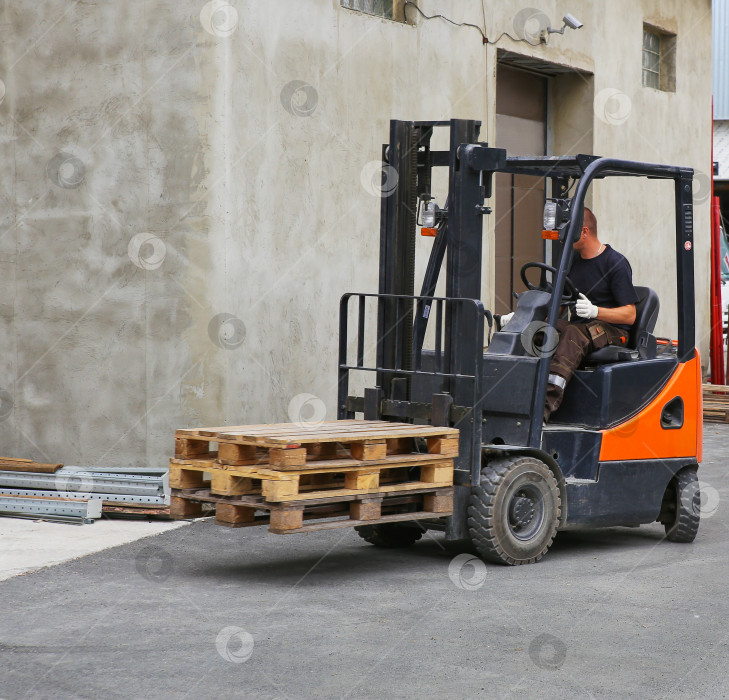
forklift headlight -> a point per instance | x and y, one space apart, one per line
550 215
429 214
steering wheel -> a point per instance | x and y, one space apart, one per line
570 293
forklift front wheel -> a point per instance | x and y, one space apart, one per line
514 512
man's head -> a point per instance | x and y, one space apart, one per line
588 234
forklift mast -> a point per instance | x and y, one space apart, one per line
440 386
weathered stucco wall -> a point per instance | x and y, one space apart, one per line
187 193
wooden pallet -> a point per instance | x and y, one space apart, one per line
339 474
292 446
325 479
326 513
716 403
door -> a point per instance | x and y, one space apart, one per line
521 128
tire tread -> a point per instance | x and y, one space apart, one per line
481 518
688 507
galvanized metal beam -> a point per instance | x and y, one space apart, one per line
41 506
85 482
80 495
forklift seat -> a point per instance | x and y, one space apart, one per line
641 342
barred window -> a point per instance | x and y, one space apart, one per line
659 59
388 9
651 59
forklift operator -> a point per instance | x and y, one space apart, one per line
605 309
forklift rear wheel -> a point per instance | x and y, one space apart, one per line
514 512
389 535
681 510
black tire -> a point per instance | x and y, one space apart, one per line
389 535
681 511
514 512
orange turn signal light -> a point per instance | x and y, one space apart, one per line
433 232
550 235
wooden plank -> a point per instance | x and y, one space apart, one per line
257 502
322 466
129 509
331 432
264 472
324 427
299 439
11 464
274 496
341 463
715 388
183 432
212 433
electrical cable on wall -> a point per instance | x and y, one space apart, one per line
486 40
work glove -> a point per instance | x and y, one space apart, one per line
505 318
585 308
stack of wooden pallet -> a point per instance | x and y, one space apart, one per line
716 403
340 474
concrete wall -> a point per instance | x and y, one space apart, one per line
187 193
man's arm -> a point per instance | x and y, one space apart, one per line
621 286
620 314
584 308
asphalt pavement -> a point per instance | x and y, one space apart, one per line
206 611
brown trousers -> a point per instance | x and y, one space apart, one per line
576 341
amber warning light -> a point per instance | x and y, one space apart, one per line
550 235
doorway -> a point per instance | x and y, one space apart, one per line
521 128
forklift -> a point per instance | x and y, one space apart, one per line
624 447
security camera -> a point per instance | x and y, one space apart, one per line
572 21
569 21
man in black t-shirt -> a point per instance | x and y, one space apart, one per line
605 310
